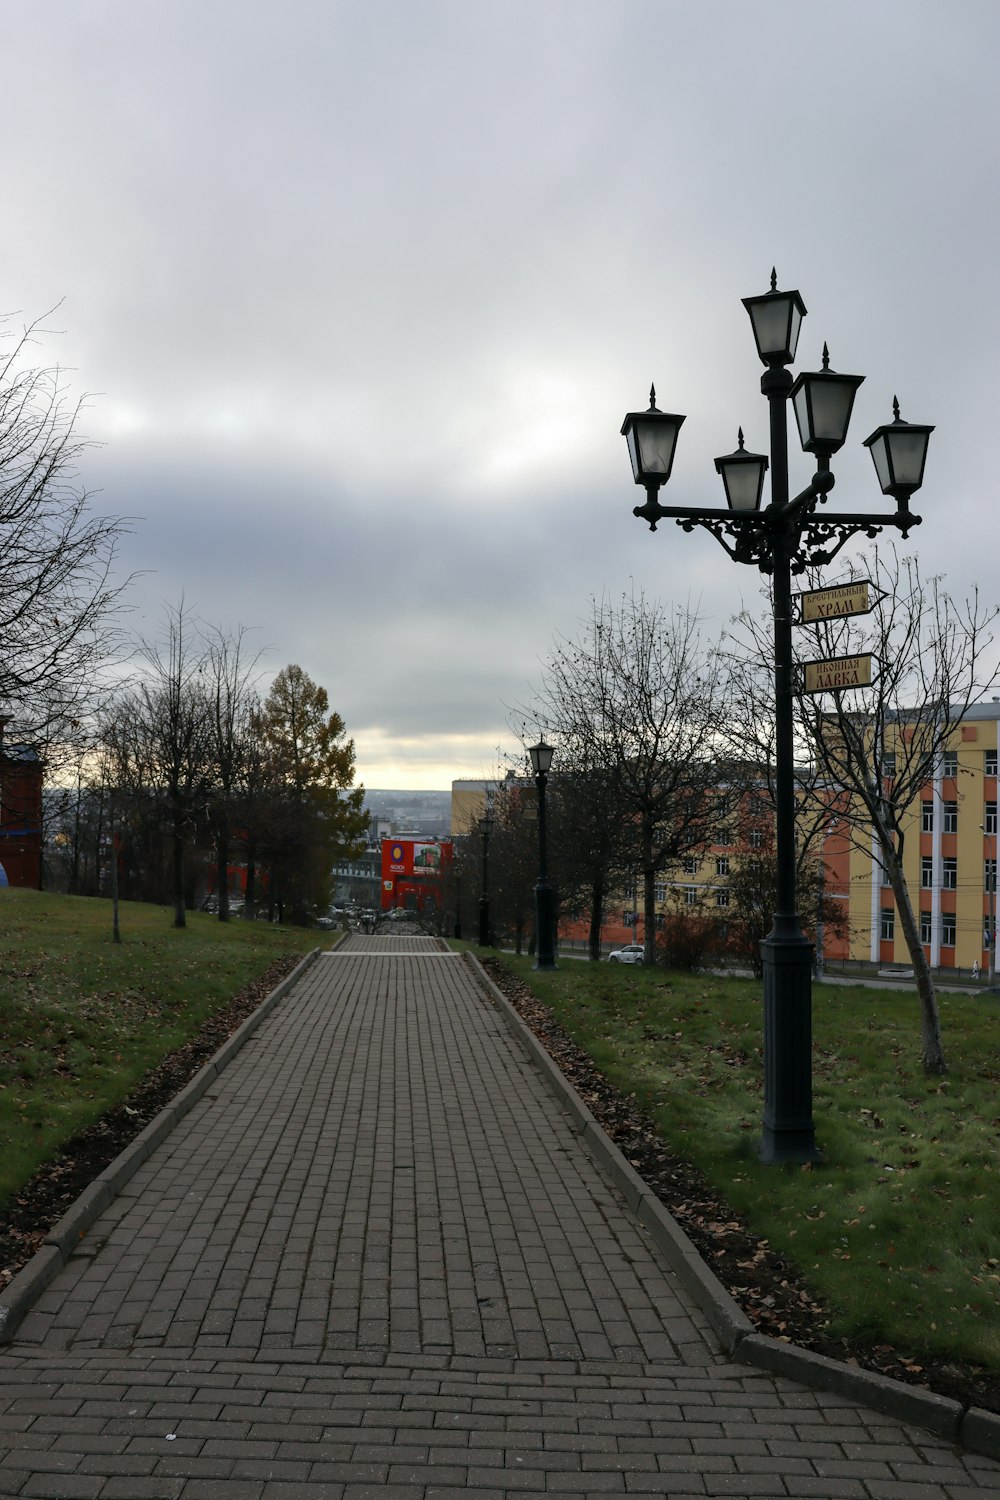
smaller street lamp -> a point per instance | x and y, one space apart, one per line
485 829
541 762
742 476
823 401
899 451
652 437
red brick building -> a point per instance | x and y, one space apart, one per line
20 816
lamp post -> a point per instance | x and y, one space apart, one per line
545 958
991 933
820 956
485 936
784 538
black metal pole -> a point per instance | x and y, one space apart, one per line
789 1132
484 900
545 957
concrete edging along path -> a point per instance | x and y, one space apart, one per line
972 1427
27 1286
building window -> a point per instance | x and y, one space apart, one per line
691 895
722 865
889 763
989 763
883 875
755 838
949 875
689 864
724 836
757 807
926 872
925 927
990 820
888 924
948 929
722 898
949 763
989 874
660 890
951 817
927 817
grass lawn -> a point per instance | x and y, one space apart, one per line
898 1229
81 1019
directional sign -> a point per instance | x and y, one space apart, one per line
856 598
838 673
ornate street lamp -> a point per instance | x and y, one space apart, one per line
545 957
899 451
784 538
743 477
652 437
485 935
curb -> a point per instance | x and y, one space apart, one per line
972 1428
62 1239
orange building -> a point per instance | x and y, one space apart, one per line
950 855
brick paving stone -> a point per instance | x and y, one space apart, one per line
376 1260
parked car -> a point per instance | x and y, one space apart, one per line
632 953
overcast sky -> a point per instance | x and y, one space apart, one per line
364 289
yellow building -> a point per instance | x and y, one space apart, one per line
469 800
949 856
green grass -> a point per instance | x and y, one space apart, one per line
898 1229
82 1019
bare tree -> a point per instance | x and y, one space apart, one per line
591 837
752 896
636 706
57 594
930 651
160 732
232 702
513 854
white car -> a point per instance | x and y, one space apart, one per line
633 953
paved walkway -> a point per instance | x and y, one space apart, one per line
376 1260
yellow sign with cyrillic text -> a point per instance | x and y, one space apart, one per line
837 674
834 604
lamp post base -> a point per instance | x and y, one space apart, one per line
545 903
789 1134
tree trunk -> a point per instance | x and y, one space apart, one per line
115 923
250 888
596 919
74 874
222 870
931 1049
649 914
180 919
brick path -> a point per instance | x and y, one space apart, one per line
376 1260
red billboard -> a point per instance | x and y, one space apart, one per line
413 871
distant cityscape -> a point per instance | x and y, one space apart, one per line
425 813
